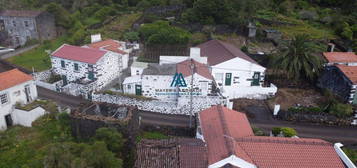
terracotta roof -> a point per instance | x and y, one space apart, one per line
20 13
267 152
171 153
81 54
111 45
201 69
228 132
12 78
340 57
349 71
219 124
218 51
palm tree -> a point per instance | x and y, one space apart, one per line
296 60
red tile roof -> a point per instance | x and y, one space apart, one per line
171 153
219 124
349 71
201 69
111 45
81 54
340 57
12 78
20 13
228 132
218 51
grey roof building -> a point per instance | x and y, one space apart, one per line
19 26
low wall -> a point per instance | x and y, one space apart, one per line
252 92
180 107
25 118
54 86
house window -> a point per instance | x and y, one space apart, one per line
137 72
129 87
14 23
63 65
2 25
4 98
76 67
26 23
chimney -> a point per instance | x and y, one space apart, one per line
195 54
95 38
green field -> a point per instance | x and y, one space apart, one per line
37 58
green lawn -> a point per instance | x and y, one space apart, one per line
37 58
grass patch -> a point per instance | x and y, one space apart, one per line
151 135
37 57
46 104
118 26
352 154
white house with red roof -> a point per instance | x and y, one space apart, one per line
15 87
236 74
169 81
118 47
231 142
340 58
86 65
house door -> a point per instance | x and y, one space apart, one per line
138 90
228 80
64 77
28 93
8 120
91 75
256 79
89 95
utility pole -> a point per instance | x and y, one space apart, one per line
192 66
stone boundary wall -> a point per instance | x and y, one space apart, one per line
25 118
169 107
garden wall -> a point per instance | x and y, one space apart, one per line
25 118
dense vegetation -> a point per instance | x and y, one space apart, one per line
49 144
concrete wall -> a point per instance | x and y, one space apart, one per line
15 94
25 118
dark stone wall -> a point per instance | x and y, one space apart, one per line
334 80
46 26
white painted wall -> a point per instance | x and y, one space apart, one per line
16 94
25 118
105 70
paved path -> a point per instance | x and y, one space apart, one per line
17 51
62 99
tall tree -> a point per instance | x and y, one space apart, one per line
297 60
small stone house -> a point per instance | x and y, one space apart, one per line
15 87
85 65
21 26
341 80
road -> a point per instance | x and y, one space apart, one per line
346 135
17 51
61 99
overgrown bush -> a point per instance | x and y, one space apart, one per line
258 131
341 110
286 131
111 137
160 32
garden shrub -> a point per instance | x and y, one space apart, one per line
341 110
286 131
